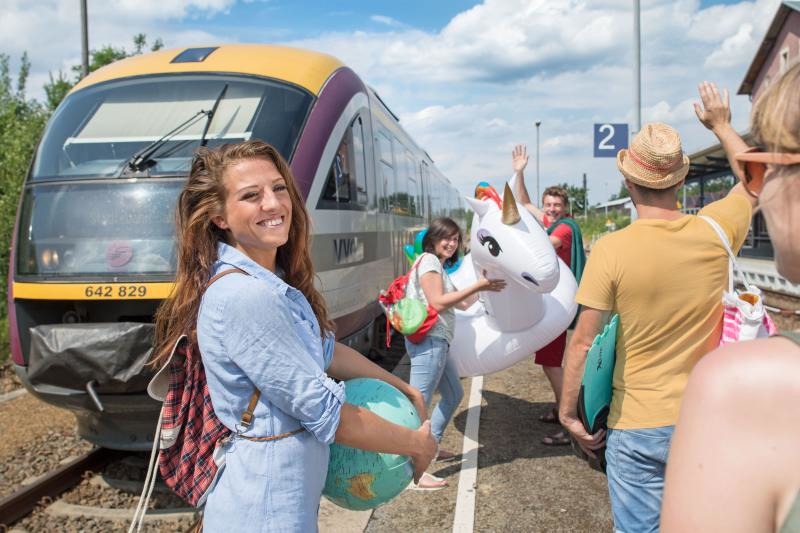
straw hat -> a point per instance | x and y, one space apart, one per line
655 158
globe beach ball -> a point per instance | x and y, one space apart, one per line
358 479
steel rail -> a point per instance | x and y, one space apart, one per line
52 484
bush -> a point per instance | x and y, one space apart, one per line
21 124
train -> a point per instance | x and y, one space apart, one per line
93 249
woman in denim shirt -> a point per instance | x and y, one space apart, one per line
265 327
430 368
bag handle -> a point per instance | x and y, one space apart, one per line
724 238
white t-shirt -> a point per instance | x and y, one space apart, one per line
446 324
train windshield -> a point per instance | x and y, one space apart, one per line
112 229
97 131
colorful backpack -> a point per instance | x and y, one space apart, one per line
410 316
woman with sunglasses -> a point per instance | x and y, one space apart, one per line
733 465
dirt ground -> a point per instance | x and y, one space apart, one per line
522 484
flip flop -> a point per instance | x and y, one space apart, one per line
429 482
550 417
556 439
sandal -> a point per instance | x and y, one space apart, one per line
430 482
550 417
556 439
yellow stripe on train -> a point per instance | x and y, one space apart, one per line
91 291
301 67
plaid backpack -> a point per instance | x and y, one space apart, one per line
189 433
190 430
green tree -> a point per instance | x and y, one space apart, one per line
58 87
21 124
577 198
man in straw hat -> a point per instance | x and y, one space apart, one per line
664 275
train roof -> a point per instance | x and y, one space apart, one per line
305 68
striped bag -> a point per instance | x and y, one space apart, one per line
744 317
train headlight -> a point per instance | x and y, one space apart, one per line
50 259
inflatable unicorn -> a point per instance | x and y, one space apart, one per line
536 306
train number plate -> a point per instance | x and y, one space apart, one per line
115 291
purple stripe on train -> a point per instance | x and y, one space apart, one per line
337 92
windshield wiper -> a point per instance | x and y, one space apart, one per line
143 159
203 140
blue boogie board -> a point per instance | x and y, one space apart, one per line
594 398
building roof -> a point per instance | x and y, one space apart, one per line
711 160
767 44
301 67
612 203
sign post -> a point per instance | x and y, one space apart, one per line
609 139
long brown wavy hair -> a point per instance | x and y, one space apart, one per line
202 198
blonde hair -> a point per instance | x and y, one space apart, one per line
202 198
775 121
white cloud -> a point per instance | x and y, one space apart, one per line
388 21
470 91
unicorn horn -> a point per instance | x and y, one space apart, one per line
510 212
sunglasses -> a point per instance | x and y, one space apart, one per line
755 162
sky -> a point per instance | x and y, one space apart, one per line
467 78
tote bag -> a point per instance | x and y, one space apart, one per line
744 317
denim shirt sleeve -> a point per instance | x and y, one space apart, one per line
265 343
328 344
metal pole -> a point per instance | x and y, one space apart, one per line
538 196
637 69
84 41
585 198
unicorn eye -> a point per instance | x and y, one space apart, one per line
491 244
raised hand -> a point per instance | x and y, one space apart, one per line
519 158
715 111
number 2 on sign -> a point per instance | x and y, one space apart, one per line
604 142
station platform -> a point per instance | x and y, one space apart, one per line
520 484
762 274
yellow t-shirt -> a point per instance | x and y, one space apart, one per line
665 279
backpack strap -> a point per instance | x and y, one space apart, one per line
247 416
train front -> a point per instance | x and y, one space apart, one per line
94 248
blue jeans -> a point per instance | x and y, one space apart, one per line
431 369
637 459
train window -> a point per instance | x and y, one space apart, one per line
337 186
346 184
360 162
413 185
388 200
90 228
96 131
385 146
400 198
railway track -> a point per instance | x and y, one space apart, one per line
94 492
52 485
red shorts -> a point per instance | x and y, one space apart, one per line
553 353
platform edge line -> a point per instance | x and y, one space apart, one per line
464 519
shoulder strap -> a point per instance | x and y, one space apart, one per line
225 273
724 238
247 416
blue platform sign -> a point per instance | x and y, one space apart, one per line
609 139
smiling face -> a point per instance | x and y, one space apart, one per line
258 210
445 248
553 207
